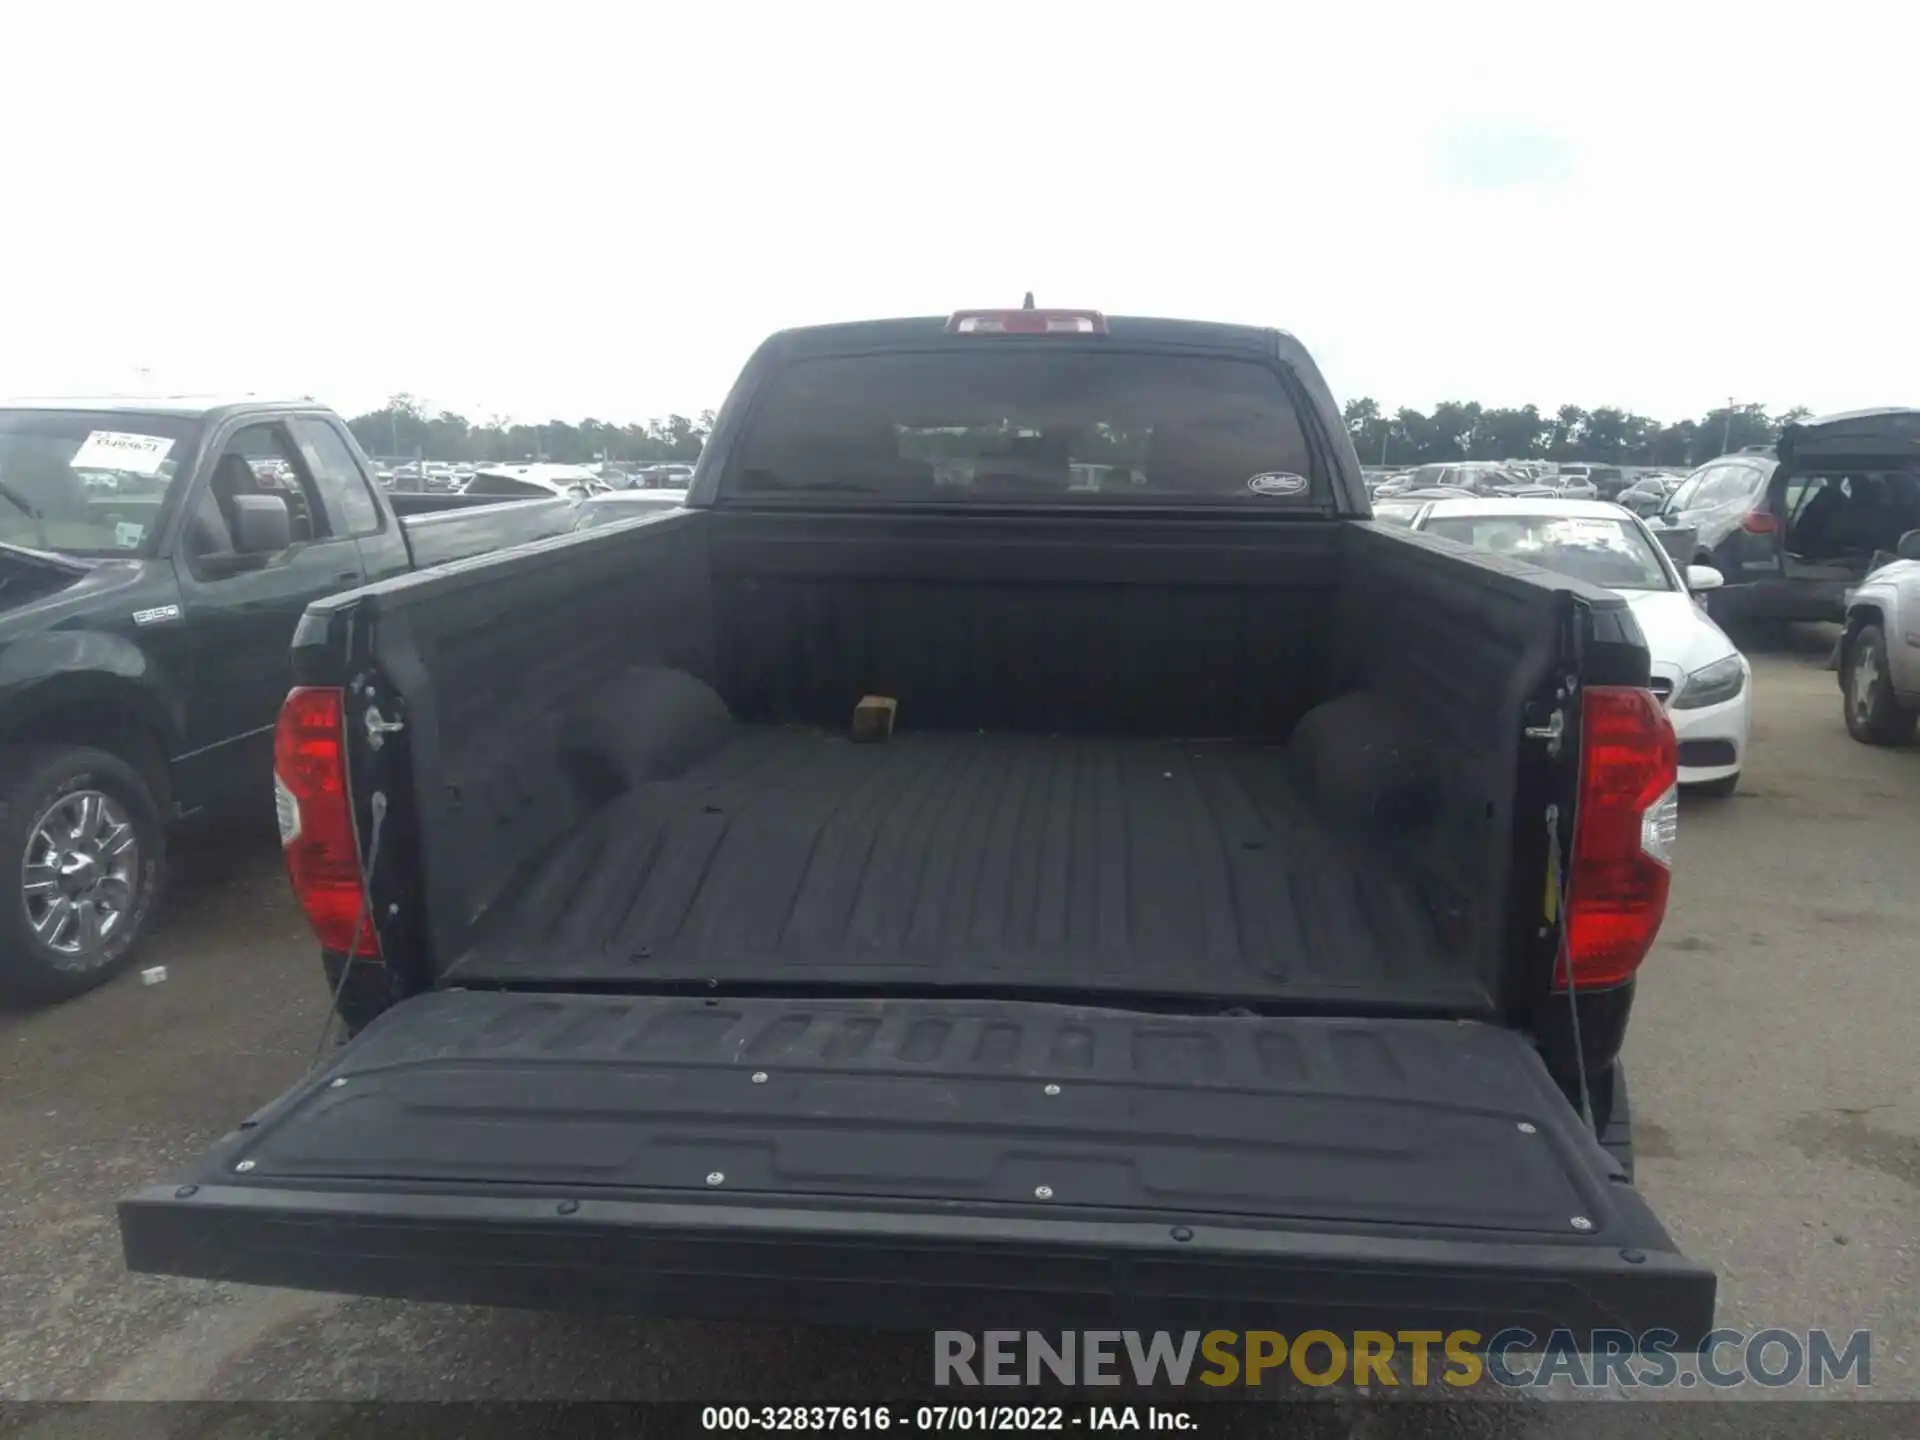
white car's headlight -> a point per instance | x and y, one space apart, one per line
1712 684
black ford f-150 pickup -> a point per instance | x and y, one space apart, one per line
1018 846
155 558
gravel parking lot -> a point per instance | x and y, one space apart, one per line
1773 1066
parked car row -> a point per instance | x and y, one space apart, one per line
1476 478
1577 480
1822 526
444 477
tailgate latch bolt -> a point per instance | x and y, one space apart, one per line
1551 732
716 1178
244 1166
1527 1128
759 1077
1053 1089
379 727
1043 1192
1580 1222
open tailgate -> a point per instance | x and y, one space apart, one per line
931 1163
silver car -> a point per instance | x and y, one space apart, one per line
1879 655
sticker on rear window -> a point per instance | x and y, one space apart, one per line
1278 482
115 450
127 534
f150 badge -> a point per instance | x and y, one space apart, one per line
156 615
1278 482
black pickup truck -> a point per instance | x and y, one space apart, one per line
154 561
1018 846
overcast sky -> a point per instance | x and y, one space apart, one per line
543 210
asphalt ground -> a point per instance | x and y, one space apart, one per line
1773 1060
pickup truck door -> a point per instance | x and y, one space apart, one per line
240 611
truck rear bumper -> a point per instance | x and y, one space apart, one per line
932 1163
889 1270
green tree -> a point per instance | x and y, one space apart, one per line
1453 430
1565 432
1372 432
402 429
1453 427
1733 428
1506 434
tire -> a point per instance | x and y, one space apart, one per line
1874 715
1715 789
47 795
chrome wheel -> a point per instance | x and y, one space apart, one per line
1864 682
80 876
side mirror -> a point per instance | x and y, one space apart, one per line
1909 546
1704 577
262 524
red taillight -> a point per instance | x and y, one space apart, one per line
316 819
1623 836
1759 522
1026 322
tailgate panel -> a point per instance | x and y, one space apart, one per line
1060 1146
1395 1121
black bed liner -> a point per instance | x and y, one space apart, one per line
978 861
930 1162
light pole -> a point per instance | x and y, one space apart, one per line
1726 432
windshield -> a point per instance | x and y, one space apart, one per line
996 422
1597 549
87 483
1682 497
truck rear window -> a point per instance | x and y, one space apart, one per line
998 422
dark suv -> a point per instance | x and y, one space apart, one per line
1791 531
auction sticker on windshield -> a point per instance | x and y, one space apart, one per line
117 450
1583 530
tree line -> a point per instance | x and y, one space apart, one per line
1453 430
404 428
1466 430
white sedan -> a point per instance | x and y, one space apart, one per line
1700 675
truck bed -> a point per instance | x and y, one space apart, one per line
979 863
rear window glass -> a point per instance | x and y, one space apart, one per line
994 424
